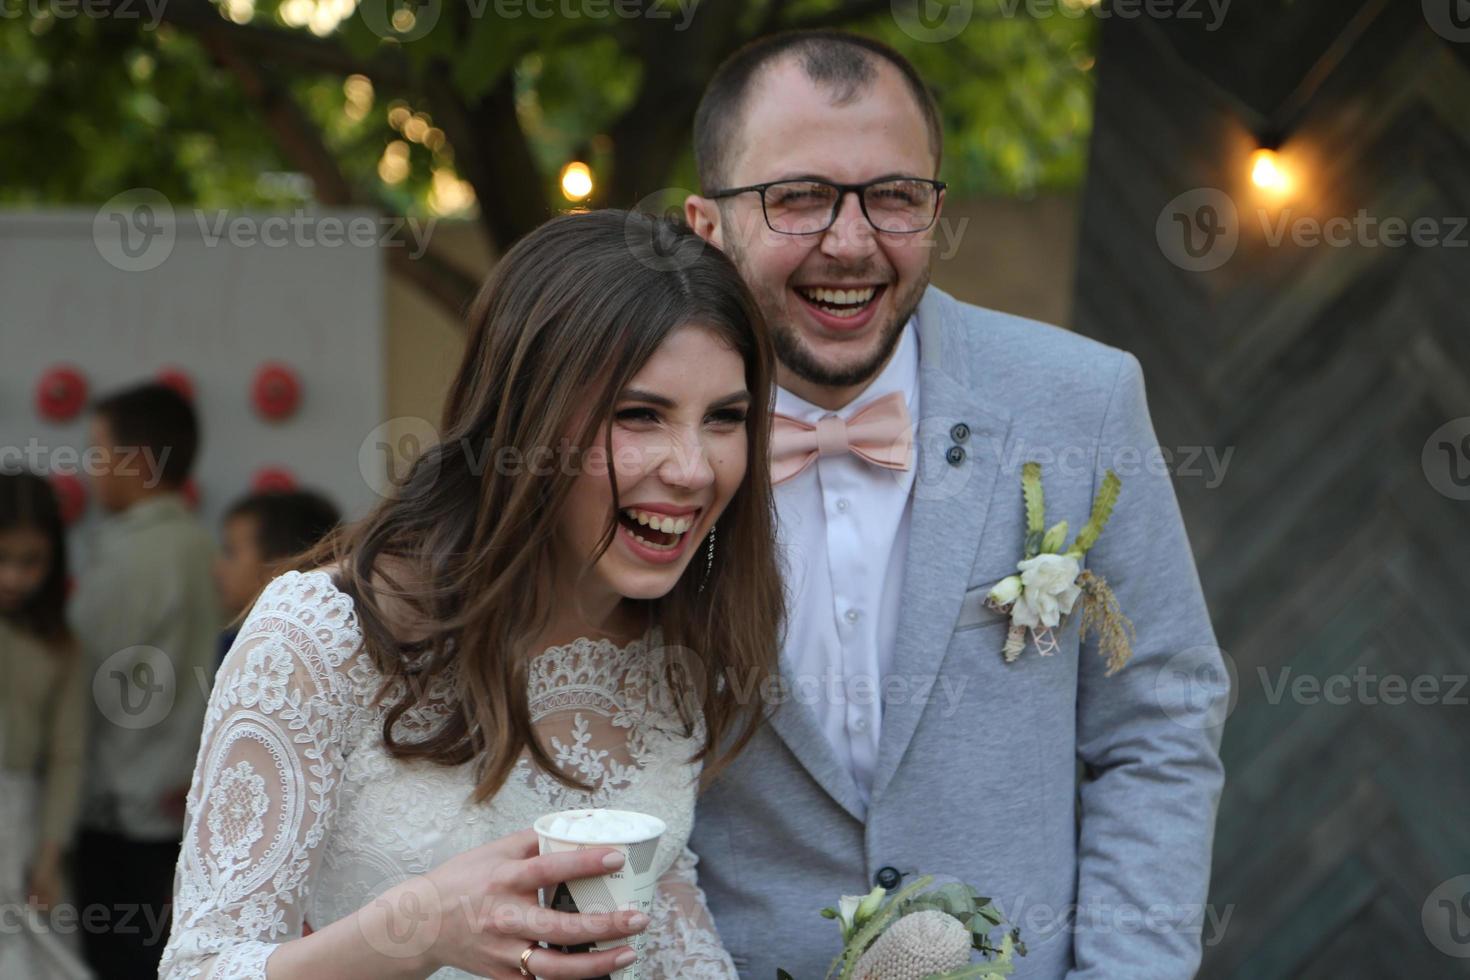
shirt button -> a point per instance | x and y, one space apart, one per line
861 725
887 877
852 615
960 432
956 455
842 503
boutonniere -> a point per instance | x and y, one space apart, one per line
1051 580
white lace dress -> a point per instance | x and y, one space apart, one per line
298 813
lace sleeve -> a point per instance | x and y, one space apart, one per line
682 942
265 782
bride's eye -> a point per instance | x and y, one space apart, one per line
636 415
728 416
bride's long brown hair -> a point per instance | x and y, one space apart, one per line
462 548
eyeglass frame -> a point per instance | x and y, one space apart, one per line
842 191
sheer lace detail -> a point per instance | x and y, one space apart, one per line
297 812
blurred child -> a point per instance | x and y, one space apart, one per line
147 618
259 532
42 693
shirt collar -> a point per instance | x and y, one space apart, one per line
155 508
900 374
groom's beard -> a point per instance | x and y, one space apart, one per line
797 358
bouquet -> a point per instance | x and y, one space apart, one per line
920 933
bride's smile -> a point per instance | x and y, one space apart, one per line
679 450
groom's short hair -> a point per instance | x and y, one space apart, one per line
842 62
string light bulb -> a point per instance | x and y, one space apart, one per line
576 181
1268 173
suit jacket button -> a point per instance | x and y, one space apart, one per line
960 432
956 455
887 878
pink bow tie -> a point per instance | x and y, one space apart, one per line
879 433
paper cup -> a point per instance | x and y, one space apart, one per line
631 887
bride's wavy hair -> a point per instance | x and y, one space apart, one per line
463 545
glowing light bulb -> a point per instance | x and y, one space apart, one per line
576 180
1268 174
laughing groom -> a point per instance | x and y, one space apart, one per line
916 733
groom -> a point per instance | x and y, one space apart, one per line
903 742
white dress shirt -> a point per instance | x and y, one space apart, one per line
843 529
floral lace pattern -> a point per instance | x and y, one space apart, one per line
297 812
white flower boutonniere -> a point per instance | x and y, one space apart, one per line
1051 579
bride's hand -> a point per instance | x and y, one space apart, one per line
479 911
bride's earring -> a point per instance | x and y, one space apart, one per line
709 562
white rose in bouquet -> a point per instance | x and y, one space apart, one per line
1048 590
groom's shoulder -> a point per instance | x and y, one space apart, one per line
1003 347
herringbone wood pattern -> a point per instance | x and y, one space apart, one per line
1325 551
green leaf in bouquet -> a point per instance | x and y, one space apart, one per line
1055 538
1102 509
1035 500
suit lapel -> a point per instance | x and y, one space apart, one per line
948 509
796 723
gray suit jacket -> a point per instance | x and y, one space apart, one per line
978 769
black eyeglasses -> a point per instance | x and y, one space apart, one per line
894 205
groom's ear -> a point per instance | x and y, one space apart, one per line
703 215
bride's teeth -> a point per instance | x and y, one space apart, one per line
658 522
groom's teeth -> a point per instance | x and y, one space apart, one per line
839 297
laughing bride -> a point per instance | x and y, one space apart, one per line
542 616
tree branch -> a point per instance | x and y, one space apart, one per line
297 49
492 153
300 141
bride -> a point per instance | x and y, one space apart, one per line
542 616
